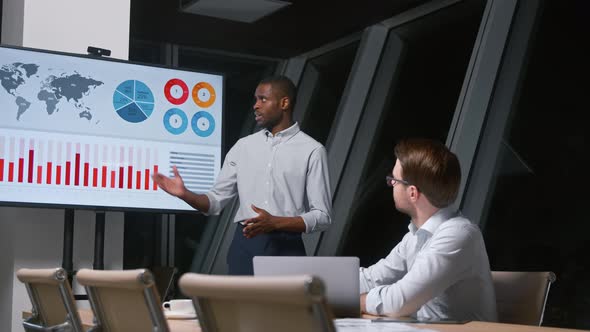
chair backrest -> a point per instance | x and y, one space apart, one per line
521 296
258 303
52 300
124 300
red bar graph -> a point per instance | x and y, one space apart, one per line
21 169
121 176
138 180
77 170
94 177
11 172
31 161
86 173
155 172
58 174
129 177
51 162
147 179
39 174
49 175
104 177
68 172
112 179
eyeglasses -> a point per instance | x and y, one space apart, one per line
391 181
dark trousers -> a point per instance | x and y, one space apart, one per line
242 250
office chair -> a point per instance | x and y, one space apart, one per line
123 300
52 299
521 296
262 304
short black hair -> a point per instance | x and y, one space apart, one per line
284 85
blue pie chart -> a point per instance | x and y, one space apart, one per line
133 101
175 121
203 124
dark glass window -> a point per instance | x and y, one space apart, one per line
421 103
536 219
147 52
330 73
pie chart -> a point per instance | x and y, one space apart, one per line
204 94
133 101
203 124
175 121
176 91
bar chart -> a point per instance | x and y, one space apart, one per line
54 162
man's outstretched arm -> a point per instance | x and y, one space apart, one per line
175 187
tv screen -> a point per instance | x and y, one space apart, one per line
88 132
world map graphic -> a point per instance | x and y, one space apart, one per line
52 89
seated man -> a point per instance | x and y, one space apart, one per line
440 269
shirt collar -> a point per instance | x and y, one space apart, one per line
434 221
285 134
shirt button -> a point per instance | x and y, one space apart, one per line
269 165
267 182
266 202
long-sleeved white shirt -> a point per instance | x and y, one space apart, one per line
285 174
440 270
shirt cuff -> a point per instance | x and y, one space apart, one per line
213 205
309 221
315 221
373 304
364 284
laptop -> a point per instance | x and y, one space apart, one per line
339 274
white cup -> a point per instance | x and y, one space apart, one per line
179 307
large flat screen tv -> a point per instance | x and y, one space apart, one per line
87 132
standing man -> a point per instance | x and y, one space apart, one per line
440 269
280 175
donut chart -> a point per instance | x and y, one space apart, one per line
204 94
175 121
133 101
176 91
203 124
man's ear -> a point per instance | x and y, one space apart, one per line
285 103
414 193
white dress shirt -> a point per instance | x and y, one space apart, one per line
440 270
285 174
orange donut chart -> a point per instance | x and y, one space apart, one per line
200 92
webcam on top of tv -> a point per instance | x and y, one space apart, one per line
98 51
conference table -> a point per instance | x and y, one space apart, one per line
192 325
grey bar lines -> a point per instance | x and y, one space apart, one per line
191 159
172 153
193 168
197 169
189 177
191 163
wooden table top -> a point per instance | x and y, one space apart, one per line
192 325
